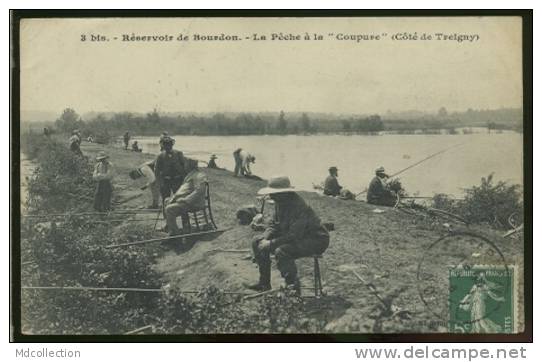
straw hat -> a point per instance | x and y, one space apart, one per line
168 139
333 168
213 157
101 155
380 170
277 184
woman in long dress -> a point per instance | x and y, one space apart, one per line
475 301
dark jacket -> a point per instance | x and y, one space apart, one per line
379 194
296 223
169 165
331 186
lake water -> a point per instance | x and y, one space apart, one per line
305 159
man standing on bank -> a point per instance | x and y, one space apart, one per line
297 233
331 184
169 168
126 139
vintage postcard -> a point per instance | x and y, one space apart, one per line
197 175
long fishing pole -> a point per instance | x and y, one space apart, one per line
425 159
417 163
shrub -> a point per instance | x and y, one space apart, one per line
32 143
396 186
61 181
100 135
488 203
492 203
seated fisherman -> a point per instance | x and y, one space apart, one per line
379 192
190 196
331 184
212 163
135 147
297 233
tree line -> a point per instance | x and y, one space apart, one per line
102 127
154 123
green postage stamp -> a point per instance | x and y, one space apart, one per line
483 299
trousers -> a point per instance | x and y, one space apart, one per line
172 212
286 255
238 164
169 186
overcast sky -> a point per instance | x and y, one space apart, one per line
58 70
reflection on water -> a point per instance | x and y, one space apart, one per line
306 158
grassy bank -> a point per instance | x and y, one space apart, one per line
385 248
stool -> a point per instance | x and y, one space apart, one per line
318 290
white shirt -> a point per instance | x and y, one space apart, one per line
148 172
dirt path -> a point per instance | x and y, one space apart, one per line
384 248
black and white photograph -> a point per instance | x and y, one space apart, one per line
297 175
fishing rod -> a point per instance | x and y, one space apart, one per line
417 163
425 159
120 211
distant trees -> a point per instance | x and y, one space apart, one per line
442 112
153 123
363 125
347 126
282 124
68 121
305 123
153 116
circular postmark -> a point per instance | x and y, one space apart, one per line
464 281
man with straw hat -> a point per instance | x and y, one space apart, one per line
212 163
189 197
103 173
297 232
379 192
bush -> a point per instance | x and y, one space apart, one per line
396 186
444 202
492 203
488 203
61 181
101 136
32 143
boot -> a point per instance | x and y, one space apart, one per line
292 283
295 286
265 278
186 225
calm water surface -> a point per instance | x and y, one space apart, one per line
305 159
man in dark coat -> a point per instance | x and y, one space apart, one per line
331 184
169 169
297 232
126 139
379 192
212 162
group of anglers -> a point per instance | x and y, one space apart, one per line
378 192
295 232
